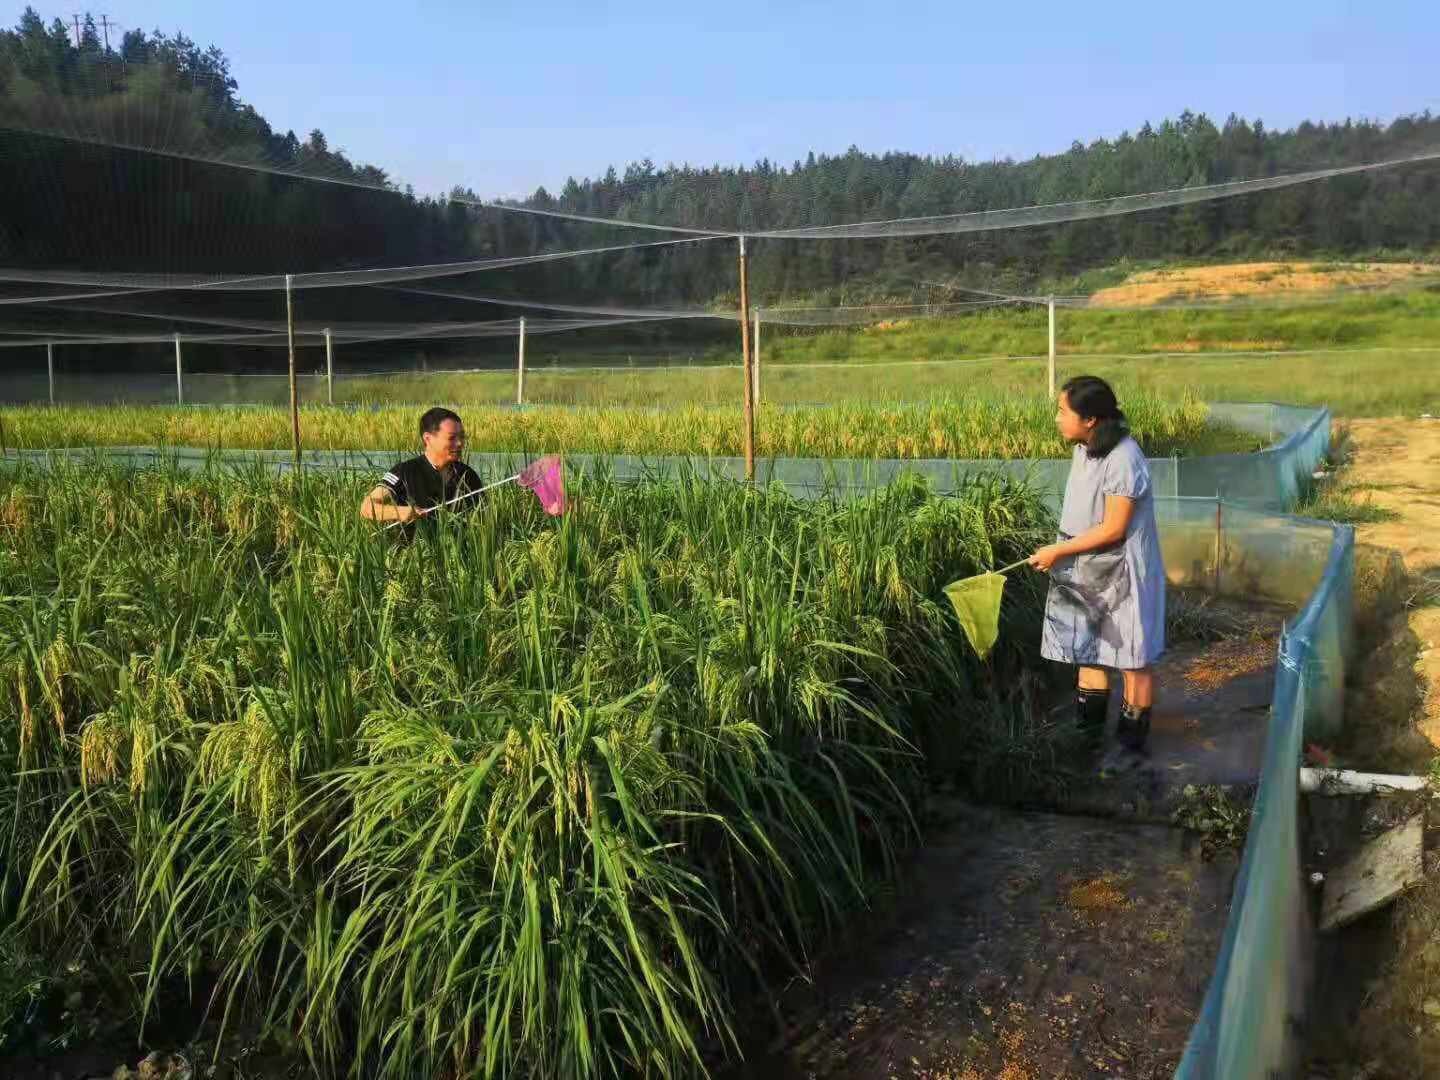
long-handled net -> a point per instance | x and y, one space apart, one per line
977 605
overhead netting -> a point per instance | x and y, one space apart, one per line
146 202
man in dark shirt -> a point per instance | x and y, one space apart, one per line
416 487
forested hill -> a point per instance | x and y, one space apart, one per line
73 194
1395 209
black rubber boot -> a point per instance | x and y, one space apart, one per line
1134 728
1091 707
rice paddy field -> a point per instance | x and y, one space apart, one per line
970 426
521 795
540 796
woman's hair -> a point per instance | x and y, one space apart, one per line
1091 398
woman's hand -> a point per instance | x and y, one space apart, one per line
1046 557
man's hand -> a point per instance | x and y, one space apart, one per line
406 514
1047 557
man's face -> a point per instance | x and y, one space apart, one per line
444 446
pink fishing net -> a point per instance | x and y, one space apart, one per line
546 478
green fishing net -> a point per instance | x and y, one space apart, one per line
977 606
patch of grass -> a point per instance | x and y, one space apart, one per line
1017 752
1221 819
1343 504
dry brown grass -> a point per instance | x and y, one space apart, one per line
1226 660
1196 345
1398 1028
1244 280
1097 897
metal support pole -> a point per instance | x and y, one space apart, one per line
179 374
329 368
749 390
1050 303
755 349
294 390
50 368
520 368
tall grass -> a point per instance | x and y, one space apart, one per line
521 796
971 426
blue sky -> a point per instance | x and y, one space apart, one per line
506 96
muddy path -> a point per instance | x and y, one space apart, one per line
1027 945
1020 946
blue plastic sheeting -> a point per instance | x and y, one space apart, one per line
1273 478
1251 1018
1269 479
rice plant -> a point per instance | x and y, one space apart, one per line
521 796
968 426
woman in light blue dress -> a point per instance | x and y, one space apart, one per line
1106 606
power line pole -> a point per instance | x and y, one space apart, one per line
105 26
77 30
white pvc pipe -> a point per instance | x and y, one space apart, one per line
1050 303
1350 782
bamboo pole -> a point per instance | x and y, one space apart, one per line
749 390
294 390
520 367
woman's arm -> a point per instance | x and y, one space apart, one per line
1108 533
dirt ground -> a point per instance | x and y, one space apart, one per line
1396 465
1022 946
1253 280
1031 946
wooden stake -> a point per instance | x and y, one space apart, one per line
749 392
179 374
50 368
294 391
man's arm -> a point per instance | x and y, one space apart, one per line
380 505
